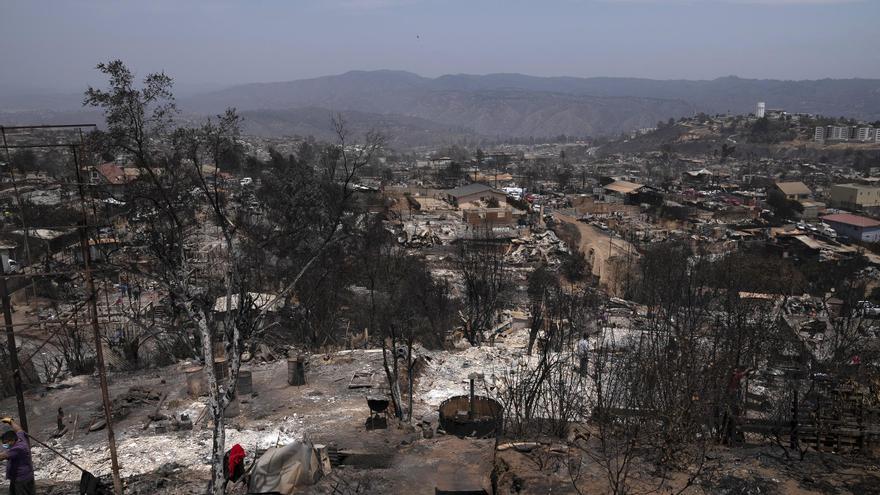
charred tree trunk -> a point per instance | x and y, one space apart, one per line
409 374
391 373
215 408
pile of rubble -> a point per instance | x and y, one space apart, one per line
168 479
447 372
424 237
536 247
122 405
262 354
141 453
427 230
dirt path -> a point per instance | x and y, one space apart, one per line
598 246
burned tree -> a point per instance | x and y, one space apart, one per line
546 393
542 282
405 305
486 284
664 384
185 207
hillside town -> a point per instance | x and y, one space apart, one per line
688 308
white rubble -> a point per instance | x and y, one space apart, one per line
140 452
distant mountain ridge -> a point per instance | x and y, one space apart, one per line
489 110
401 131
512 105
858 98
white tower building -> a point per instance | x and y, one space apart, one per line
762 107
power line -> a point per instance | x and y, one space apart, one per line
44 126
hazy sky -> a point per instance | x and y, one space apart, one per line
55 44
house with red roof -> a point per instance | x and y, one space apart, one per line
855 227
108 173
112 175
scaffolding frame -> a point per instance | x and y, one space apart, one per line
83 227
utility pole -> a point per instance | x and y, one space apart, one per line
93 313
12 350
99 360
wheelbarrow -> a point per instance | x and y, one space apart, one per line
378 412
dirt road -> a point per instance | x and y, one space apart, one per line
598 246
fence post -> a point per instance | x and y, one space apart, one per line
793 437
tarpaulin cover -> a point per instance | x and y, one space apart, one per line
281 469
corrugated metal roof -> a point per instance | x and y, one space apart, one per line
850 219
623 187
471 189
809 242
791 188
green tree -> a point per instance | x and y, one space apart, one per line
727 151
783 207
575 266
564 174
861 163
769 131
24 160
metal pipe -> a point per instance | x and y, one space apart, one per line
59 454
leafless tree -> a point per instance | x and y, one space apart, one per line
406 305
486 283
541 284
180 167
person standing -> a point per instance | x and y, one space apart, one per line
17 454
734 403
582 351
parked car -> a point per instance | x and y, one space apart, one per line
867 308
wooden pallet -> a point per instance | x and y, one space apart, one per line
361 379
